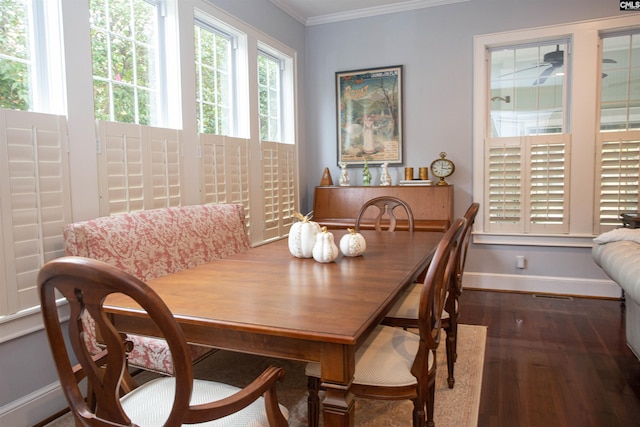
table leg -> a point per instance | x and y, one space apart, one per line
338 406
338 367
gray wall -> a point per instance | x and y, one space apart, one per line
435 46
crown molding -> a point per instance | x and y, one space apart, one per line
362 13
290 11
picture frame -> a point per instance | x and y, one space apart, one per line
369 115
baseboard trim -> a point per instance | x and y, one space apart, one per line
573 286
34 407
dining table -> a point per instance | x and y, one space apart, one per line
265 301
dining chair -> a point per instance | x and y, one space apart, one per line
386 206
169 401
405 312
393 363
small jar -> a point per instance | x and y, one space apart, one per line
408 174
424 174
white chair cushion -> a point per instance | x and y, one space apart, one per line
150 404
384 359
407 306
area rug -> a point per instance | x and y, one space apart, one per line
457 407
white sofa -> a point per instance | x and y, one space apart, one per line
617 252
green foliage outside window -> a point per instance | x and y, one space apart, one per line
269 97
14 55
213 81
123 48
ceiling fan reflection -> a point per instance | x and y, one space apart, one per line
554 60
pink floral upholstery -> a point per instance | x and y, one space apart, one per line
153 243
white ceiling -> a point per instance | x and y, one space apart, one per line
313 12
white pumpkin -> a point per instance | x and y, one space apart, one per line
302 236
325 249
352 243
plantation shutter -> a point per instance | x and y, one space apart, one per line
225 171
166 167
279 194
35 201
527 178
619 164
549 173
504 181
139 167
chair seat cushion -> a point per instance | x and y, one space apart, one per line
407 306
384 359
150 404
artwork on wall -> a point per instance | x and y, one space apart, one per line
369 115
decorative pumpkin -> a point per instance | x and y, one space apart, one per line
352 243
302 236
325 250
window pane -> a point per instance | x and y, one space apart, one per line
125 56
213 68
527 89
102 100
124 104
15 55
620 98
269 97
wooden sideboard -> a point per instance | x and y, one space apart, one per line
337 207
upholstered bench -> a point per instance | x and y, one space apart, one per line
153 243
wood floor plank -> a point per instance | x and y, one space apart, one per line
554 361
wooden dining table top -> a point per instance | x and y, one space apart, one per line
266 289
266 301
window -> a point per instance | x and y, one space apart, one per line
214 79
269 87
619 136
527 147
126 57
30 56
277 151
545 172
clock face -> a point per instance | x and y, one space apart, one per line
442 168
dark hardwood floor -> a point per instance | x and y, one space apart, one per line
554 362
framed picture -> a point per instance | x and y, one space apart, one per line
369 114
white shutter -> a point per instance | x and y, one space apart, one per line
139 167
549 171
279 194
618 159
528 184
166 166
35 201
504 183
120 168
225 171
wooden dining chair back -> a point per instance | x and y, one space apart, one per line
405 312
386 206
393 363
169 401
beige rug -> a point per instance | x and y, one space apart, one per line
457 407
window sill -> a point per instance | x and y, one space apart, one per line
571 241
27 321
